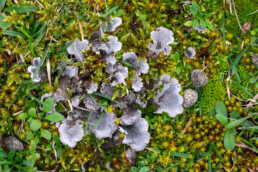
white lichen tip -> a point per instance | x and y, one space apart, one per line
190 53
169 100
76 49
139 65
90 104
112 25
120 75
71 134
106 127
137 135
92 87
161 37
130 115
114 44
71 71
41 75
137 84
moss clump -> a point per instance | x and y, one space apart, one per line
213 92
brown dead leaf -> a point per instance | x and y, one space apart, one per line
246 27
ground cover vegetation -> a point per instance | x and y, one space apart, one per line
119 85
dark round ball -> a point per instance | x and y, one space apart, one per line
199 78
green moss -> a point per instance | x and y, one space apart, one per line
213 92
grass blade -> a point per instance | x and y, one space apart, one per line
2 4
223 30
13 33
241 54
97 123
106 97
4 24
243 88
110 11
41 62
21 9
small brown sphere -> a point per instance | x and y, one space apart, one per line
199 78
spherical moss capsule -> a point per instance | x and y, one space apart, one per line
229 108
247 67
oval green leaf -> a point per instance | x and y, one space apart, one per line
54 117
32 112
221 108
35 124
45 133
222 119
229 140
48 105
23 116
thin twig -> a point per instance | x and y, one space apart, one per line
234 6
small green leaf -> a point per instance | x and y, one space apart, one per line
35 124
203 24
48 105
2 4
54 117
221 108
110 11
144 169
45 133
222 119
235 123
189 23
32 112
229 140
210 26
23 116
195 23
3 24
21 9
212 112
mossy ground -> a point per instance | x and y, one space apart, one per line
174 146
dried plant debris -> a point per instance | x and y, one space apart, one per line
76 49
161 37
137 135
190 98
190 53
111 25
41 75
199 78
169 100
